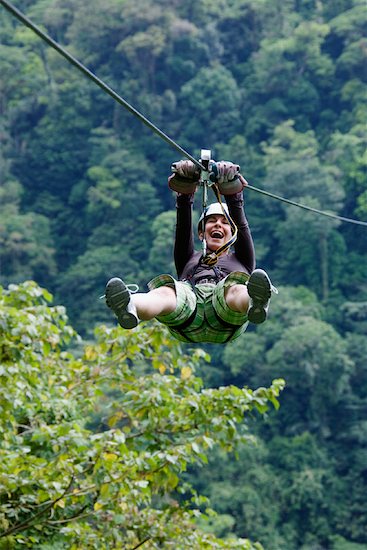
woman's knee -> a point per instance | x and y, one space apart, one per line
168 296
237 297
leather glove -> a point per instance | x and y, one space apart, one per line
185 177
227 177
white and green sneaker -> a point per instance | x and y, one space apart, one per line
118 299
259 288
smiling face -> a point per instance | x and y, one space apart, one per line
217 231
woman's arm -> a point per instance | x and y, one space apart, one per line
244 246
184 238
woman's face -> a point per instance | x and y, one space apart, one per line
217 231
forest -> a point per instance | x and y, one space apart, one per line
131 440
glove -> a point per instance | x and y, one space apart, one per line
185 177
227 177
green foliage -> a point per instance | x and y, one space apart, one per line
308 353
291 473
161 253
26 247
340 543
62 481
305 457
350 150
293 170
205 104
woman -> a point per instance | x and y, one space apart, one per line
215 296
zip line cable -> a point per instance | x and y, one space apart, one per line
19 15
26 21
309 208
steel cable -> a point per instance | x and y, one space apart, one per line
26 21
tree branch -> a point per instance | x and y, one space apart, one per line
28 522
141 543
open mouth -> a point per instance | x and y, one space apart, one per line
217 234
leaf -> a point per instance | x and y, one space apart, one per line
186 373
171 458
112 421
162 368
143 483
90 353
110 457
60 503
104 490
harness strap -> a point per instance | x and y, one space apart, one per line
218 275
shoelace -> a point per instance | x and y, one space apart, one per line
132 288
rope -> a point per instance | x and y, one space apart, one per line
315 210
21 17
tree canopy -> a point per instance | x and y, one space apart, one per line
87 440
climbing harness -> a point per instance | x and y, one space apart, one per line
26 21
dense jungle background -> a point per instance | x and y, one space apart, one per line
278 86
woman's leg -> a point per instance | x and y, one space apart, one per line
252 299
129 307
159 301
237 298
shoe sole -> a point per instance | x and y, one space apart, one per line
117 299
259 290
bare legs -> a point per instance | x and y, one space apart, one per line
237 298
159 301
162 301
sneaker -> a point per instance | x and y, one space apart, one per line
118 299
259 288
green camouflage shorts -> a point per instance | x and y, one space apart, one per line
202 314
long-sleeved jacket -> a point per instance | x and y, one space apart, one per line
188 262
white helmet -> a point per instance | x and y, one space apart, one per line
212 209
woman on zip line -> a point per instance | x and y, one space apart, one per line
216 294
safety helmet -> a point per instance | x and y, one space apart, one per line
212 209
